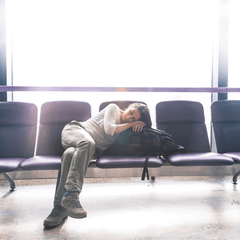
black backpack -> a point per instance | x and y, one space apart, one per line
153 142
149 142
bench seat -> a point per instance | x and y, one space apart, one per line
47 162
10 164
127 162
199 159
185 121
18 127
234 155
226 126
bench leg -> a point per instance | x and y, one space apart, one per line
235 177
153 178
12 184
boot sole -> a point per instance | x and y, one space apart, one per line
78 216
53 225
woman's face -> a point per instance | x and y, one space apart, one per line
131 115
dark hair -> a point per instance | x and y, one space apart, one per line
144 111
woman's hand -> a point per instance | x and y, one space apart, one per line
138 126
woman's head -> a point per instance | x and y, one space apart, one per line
137 112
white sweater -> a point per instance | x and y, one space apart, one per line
102 126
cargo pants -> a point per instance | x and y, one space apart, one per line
80 149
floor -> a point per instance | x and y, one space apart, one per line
127 208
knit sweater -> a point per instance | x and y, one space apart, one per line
102 126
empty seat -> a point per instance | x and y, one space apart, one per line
226 126
110 161
18 126
185 121
53 117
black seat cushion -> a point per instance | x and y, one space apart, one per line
185 121
234 155
44 162
127 162
113 158
10 164
18 127
199 159
53 117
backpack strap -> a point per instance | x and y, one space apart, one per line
145 168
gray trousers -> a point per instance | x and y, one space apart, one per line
80 150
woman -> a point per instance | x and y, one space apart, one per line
83 142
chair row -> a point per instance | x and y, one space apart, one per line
18 130
183 119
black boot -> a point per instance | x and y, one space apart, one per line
58 214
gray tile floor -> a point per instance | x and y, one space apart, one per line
127 208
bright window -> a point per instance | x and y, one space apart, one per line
234 47
123 43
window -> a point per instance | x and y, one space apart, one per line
127 43
234 47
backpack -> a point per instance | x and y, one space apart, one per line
148 142
153 142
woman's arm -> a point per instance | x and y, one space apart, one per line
137 127
110 118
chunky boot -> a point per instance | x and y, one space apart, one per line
73 206
58 214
